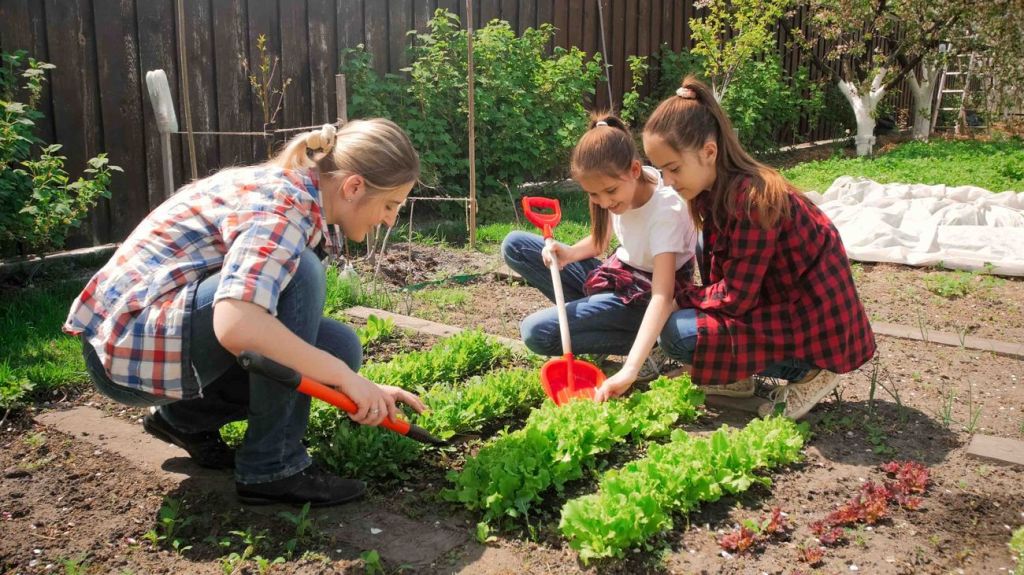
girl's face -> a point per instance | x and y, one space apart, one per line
358 212
617 194
689 172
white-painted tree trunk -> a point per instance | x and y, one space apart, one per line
864 105
923 92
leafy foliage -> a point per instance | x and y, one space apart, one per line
453 359
509 476
1016 545
637 501
460 408
376 329
39 202
521 89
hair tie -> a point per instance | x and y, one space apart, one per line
686 93
601 123
323 139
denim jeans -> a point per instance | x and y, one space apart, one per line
601 323
277 416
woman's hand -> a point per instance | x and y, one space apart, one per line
616 385
377 402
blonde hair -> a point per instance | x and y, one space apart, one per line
606 148
690 118
376 149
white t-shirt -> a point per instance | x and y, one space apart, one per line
661 225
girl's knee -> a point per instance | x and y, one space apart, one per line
341 341
541 336
517 241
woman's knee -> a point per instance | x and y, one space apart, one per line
341 341
310 280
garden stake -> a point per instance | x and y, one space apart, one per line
563 378
257 363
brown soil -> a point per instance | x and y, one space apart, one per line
62 499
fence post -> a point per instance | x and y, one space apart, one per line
166 122
472 125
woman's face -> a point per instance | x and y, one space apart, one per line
358 211
689 172
617 194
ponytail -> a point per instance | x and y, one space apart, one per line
692 117
606 148
376 149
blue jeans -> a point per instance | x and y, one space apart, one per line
601 323
272 448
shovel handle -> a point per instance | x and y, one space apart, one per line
258 363
546 222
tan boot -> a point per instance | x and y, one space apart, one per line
800 396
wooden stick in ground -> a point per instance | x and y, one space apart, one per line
472 125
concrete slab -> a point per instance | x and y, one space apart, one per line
1015 350
997 449
423 326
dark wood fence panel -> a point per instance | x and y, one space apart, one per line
96 99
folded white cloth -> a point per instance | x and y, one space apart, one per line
963 227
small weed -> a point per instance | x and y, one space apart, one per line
372 563
1016 545
443 298
974 411
878 439
830 423
483 533
35 440
75 566
169 525
945 412
858 271
305 528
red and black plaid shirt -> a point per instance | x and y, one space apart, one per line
772 295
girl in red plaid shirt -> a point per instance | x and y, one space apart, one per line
778 297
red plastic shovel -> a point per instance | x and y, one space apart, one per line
563 378
257 363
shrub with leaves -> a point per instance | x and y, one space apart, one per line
529 105
39 202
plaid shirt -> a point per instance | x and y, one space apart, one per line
251 224
772 295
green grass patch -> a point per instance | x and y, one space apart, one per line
996 166
442 298
348 289
954 284
37 357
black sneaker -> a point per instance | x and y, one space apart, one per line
312 485
207 448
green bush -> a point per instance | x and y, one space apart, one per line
528 106
39 203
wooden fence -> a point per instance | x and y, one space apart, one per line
96 99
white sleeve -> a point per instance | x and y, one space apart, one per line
672 231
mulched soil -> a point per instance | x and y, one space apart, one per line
61 499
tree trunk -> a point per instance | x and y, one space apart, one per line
864 106
922 90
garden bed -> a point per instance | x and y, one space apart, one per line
64 500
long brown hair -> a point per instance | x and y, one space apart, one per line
606 148
376 149
690 118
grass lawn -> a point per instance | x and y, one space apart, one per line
35 356
995 166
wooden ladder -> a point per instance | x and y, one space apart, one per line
957 74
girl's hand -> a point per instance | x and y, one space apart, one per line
562 253
616 385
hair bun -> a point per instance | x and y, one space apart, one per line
686 93
322 140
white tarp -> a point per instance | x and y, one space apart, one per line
963 227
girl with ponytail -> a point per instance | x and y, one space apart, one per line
229 263
778 297
618 306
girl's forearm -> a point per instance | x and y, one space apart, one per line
658 312
243 326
